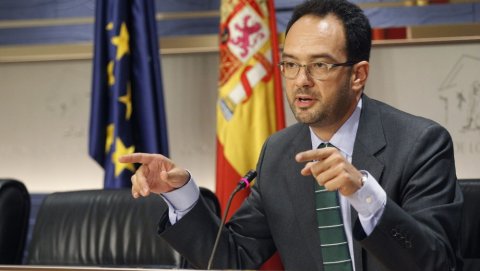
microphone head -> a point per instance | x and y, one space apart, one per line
251 174
247 179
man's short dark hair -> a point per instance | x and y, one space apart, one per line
358 32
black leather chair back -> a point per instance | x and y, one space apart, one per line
14 216
100 228
470 225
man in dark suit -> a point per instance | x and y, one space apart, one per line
394 172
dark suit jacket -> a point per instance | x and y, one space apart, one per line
411 158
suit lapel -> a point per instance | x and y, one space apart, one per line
301 193
369 141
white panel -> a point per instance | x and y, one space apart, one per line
190 84
439 82
44 115
44 110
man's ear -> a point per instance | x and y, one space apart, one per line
360 75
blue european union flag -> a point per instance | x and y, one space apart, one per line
127 110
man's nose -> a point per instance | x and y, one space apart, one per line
303 77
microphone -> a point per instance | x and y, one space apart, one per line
244 182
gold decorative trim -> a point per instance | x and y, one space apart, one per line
170 45
174 45
161 16
410 3
9 24
189 44
426 41
31 53
437 31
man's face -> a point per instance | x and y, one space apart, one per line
319 103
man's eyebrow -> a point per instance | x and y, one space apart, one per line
285 55
317 56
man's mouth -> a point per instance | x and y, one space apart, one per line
304 101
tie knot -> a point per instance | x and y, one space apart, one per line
325 145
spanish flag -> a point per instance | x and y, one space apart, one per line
250 103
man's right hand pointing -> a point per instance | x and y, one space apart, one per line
157 174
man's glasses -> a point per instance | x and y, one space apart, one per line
317 70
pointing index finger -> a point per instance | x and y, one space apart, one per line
141 158
310 155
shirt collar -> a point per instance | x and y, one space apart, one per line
344 138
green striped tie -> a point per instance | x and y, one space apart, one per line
335 252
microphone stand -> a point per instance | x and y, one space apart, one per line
244 183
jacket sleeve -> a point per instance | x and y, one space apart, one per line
245 241
419 229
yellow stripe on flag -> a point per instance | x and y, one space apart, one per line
246 109
250 103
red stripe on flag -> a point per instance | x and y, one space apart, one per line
266 65
246 85
276 71
227 179
253 4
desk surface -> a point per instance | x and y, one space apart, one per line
72 268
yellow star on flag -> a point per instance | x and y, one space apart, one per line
121 41
120 150
110 75
127 100
109 137
109 26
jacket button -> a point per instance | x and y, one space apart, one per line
408 244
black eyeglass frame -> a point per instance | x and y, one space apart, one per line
307 69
